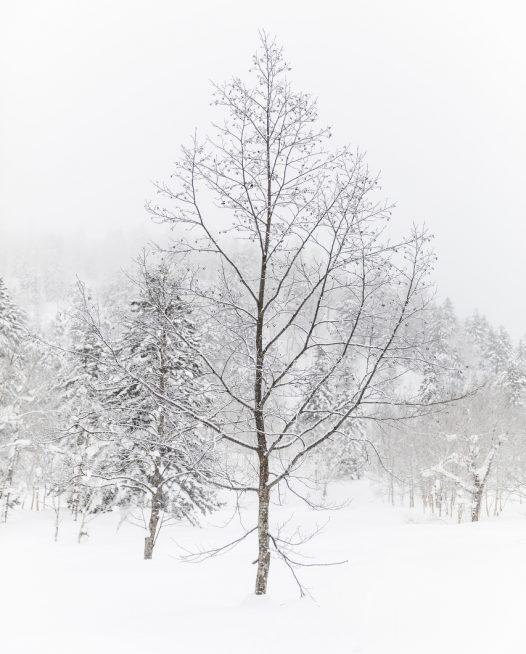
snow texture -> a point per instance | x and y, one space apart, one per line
411 585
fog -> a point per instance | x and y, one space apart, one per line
98 96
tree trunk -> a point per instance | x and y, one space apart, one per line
57 519
75 504
153 524
476 502
391 490
263 527
9 481
35 497
83 531
149 541
259 420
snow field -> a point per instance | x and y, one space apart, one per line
411 585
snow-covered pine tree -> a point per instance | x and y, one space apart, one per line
498 352
161 458
82 416
493 347
514 382
477 328
343 455
12 325
443 369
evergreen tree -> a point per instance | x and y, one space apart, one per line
442 372
498 352
477 327
515 380
159 458
82 416
343 455
12 397
12 323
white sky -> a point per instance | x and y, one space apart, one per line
97 96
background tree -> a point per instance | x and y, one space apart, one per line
82 415
460 454
344 455
12 398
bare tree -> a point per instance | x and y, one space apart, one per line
469 465
315 271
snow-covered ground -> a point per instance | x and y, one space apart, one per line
411 585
